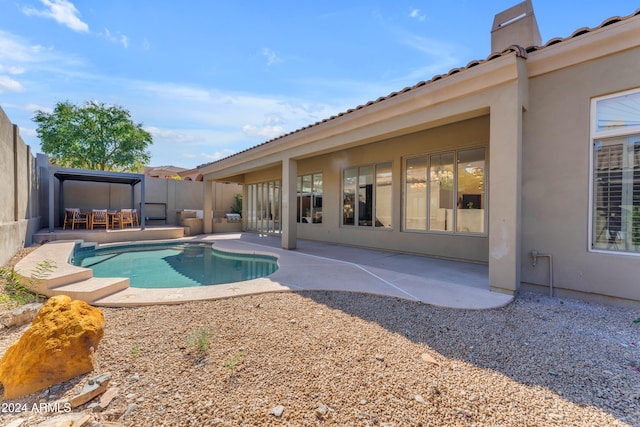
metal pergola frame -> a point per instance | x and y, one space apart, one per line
70 174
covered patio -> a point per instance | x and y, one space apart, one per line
68 174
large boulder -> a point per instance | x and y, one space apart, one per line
59 345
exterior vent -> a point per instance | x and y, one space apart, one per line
515 26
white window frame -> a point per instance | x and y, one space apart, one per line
453 231
355 225
599 135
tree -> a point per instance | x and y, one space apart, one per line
93 136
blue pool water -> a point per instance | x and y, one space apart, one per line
173 265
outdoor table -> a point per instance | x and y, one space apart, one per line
111 215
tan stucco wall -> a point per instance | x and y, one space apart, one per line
177 194
19 212
556 175
465 134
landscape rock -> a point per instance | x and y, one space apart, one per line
107 397
321 410
94 387
58 346
277 410
429 358
21 315
78 419
132 407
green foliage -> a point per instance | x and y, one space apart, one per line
637 320
93 136
199 340
233 362
237 204
16 292
135 350
43 270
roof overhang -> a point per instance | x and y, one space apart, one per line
70 174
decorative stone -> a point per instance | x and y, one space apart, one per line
72 419
58 346
321 410
22 315
132 407
277 410
91 389
429 358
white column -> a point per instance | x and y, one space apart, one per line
289 198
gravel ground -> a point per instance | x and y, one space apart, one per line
331 358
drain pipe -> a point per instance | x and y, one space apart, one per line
534 261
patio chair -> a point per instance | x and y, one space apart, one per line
99 217
124 217
73 216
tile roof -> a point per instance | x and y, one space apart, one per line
520 51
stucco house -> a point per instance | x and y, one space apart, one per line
528 160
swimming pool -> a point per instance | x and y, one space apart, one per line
173 265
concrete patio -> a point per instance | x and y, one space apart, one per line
312 266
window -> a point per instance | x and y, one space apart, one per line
416 194
470 185
383 195
447 189
310 198
441 189
366 196
263 206
615 210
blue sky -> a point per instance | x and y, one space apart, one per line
211 78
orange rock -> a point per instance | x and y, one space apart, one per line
59 345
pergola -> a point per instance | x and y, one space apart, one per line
63 174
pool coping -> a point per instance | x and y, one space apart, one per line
322 267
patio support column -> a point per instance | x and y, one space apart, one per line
142 200
61 200
51 201
289 198
207 213
505 165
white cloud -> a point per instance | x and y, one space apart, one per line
7 84
28 67
415 13
115 38
192 147
13 49
441 57
11 69
266 131
62 11
272 57
35 107
216 155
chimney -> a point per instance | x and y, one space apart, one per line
516 25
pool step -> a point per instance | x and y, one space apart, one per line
92 289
